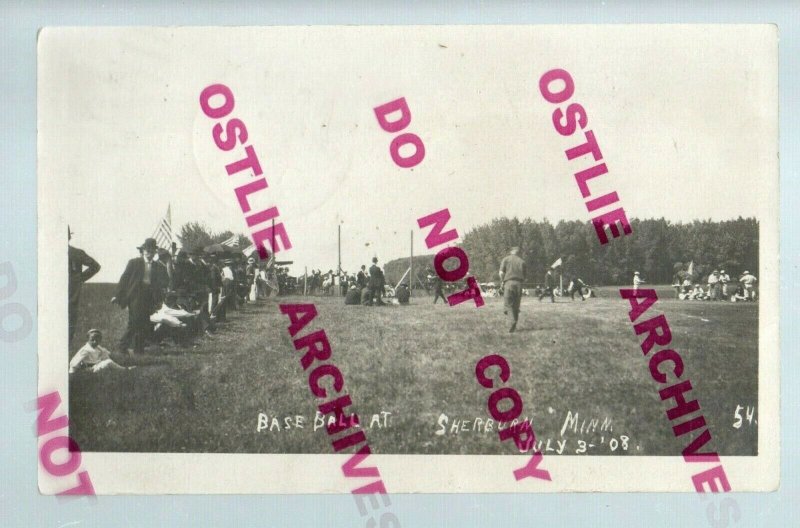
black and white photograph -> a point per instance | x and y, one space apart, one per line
257 221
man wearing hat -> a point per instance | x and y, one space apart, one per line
343 282
713 282
200 284
93 356
183 273
438 287
216 301
78 260
549 285
512 273
361 278
724 279
749 282
140 290
165 257
376 282
228 284
250 272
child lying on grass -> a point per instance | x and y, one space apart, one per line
94 357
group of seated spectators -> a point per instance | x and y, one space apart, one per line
177 295
719 287
204 289
369 288
367 296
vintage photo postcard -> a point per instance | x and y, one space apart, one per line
408 259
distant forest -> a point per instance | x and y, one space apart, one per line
656 249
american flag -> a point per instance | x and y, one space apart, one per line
163 232
251 251
232 242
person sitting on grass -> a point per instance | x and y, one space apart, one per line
173 315
686 290
739 295
403 294
697 294
94 357
366 296
353 296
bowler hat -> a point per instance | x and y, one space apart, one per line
149 244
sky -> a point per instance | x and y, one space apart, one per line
686 119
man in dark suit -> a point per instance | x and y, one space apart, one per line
361 278
82 267
376 282
438 288
217 298
141 289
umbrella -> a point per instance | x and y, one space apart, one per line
215 248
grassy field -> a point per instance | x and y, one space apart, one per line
417 362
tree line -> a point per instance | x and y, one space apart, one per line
657 249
